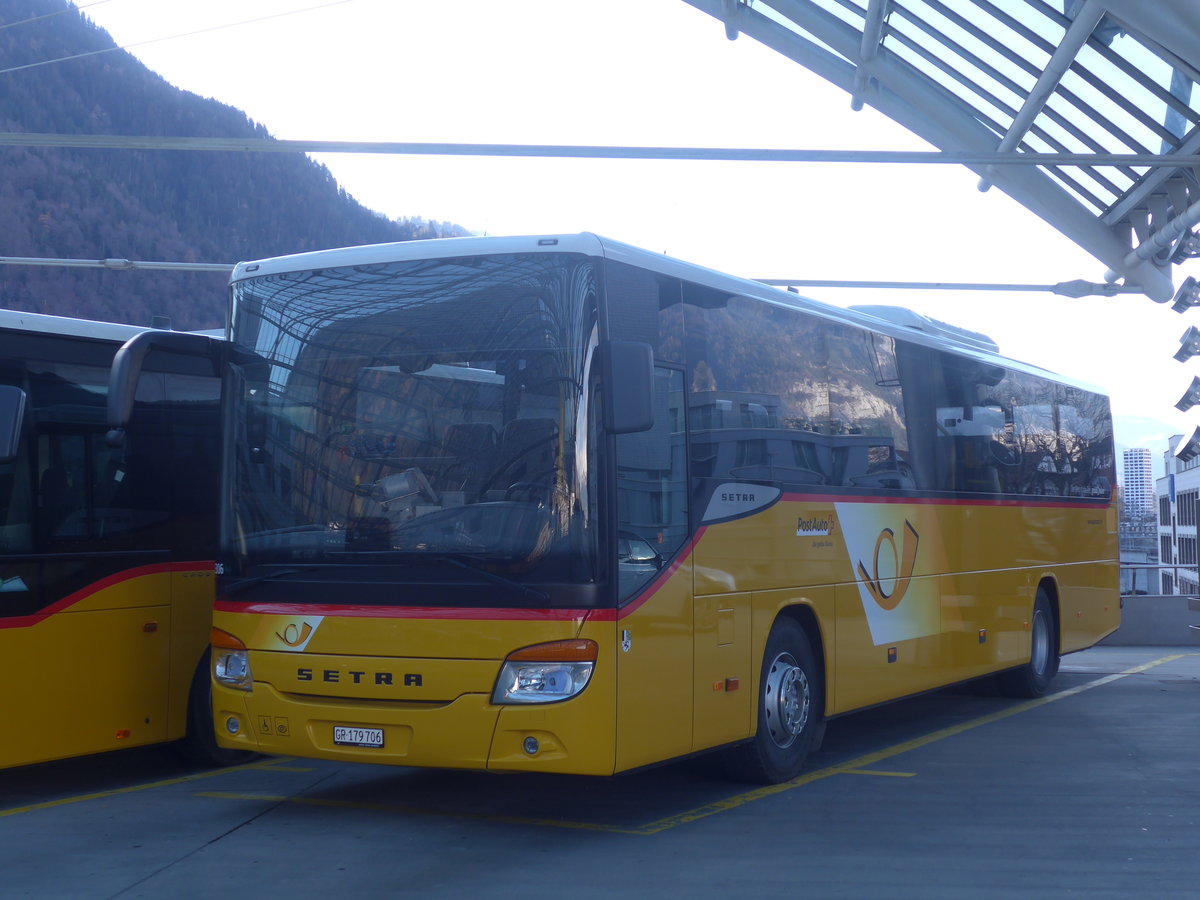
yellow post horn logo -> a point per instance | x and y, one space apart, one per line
295 635
889 600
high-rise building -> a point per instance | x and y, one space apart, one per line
1178 502
1138 486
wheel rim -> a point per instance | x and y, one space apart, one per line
1040 651
786 700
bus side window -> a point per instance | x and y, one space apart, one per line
16 518
61 486
87 494
16 515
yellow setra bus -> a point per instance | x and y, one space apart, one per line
106 582
558 504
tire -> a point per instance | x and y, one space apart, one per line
1032 679
200 744
791 704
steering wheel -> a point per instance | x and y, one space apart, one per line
531 491
1002 454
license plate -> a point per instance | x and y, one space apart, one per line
349 736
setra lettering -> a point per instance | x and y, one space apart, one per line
359 676
736 497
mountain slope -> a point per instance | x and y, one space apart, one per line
149 205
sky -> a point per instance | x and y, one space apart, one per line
659 73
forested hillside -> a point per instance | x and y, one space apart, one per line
144 205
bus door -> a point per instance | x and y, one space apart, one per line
654 573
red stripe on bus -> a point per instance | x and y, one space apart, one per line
402 612
1055 502
654 586
108 581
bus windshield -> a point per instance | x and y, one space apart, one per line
418 412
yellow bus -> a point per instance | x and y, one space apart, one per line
106 572
558 504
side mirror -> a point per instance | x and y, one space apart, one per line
12 417
127 369
628 368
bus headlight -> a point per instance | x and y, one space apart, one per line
546 673
230 661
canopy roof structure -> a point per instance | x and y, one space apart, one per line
1084 111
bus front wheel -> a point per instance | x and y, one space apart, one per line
200 744
790 709
1033 678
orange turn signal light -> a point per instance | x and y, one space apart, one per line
578 650
224 640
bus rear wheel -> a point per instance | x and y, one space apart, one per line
1033 678
790 710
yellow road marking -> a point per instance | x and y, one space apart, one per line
300 769
855 766
133 788
868 759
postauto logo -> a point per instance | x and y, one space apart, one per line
296 635
884 554
888 590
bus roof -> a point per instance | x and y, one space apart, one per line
65 326
16 320
896 322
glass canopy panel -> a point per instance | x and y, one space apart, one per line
1028 76
975 48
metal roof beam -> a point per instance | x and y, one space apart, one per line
1173 24
1163 238
872 36
933 113
1064 54
1154 180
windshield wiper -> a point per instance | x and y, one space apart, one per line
466 563
527 593
241 585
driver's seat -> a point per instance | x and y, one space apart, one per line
526 453
472 446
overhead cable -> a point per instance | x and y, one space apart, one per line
66 9
116 264
1077 288
585 151
60 59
